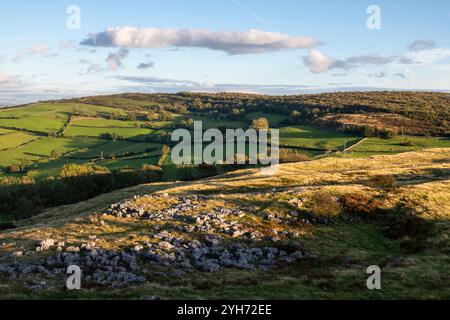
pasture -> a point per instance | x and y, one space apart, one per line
377 146
80 141
15 139
309 137
94 127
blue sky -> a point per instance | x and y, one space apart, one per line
172 45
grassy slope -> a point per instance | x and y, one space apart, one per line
15 139
40 150
381 146
93 127
425 183
309 137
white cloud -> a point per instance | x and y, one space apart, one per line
232 42
318 62
36 49
92 67
114 60
428 56
8 81
4 78
155 84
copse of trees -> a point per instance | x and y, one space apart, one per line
22 197
260 124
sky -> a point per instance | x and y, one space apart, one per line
56 49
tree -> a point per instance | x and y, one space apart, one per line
54 154
24 164
131 116
188 123
369 132
198 104
296 116
165 156
260 124
165 116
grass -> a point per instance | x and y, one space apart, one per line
81 137
46 117
273 118
40 150
94 127
135 163
35 123
309 137
5 131
341 251
15 139
374 146
209 122
115 148
46 109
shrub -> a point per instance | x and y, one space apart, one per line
289 155
407 143
13 169
325 204
359 204
383 182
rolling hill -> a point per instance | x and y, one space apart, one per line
317 226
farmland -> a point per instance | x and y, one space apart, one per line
337 246
345 196
374 146
309 137
43 137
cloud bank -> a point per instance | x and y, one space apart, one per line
318 62
231 42
421 45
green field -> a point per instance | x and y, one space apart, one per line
40 150
5 131
309 137
115 148
15 139
48 109
135 163
94 127
80 142
36 123
47 117
375 146
274 118
211 123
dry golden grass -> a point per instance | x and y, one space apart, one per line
423 185
416 172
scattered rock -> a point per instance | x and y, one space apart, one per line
17 254
72 249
